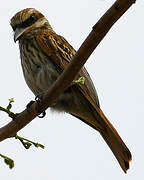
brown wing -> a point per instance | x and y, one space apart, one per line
61 53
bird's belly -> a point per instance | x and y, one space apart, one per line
41 77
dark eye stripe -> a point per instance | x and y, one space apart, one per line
31 20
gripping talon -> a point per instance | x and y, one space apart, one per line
29 104
39 97
38 100
42 114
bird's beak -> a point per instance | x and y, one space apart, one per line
18 32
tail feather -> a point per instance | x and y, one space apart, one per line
117 151
114 141
111 137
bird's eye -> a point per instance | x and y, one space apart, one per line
32 18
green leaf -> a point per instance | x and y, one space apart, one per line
81 80
8 161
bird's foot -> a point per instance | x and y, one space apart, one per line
38 100
29 104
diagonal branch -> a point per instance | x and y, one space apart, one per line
98 32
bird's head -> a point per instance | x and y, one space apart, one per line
27 21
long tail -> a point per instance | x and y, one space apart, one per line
111 137
115 143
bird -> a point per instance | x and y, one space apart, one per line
44 56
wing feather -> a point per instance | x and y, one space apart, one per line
61 53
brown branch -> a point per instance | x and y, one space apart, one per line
97 34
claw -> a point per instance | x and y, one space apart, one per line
29 104
39 97
42 114
38 100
